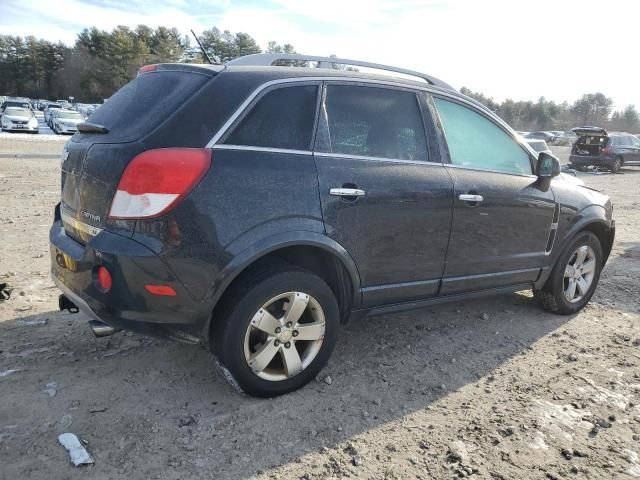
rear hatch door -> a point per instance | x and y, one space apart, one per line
92 163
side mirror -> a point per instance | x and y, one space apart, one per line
548 166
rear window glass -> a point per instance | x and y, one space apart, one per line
375 122
283 118
145 102
53 105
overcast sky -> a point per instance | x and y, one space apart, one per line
559 49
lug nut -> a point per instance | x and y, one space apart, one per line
294 333
276 342
289 324
278 329
287 345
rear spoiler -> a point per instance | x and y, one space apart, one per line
590 131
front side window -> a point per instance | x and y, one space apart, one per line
375 122
282 118
476 142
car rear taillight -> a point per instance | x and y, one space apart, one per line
606 150
156 180
161 290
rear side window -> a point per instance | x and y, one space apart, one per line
476 142
282 118
375 122
145 102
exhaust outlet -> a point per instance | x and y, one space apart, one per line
65 304
101 329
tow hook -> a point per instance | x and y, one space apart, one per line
65 304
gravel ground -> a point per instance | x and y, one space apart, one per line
494 389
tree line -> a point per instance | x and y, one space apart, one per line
100 62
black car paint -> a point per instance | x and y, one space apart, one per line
394 243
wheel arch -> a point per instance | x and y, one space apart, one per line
309 250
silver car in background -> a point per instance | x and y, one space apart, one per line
19 119
47 111
66 121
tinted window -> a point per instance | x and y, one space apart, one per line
282 118
474 141
375 122
144 103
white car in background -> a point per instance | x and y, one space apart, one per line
66 121
19 119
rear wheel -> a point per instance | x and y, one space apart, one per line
574 277
616 165
277 331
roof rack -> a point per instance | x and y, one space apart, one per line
268 59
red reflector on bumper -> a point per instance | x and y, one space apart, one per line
162 290
104 279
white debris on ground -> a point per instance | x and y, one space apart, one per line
77 452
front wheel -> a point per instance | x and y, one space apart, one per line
574 277
277 331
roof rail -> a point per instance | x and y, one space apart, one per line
268 59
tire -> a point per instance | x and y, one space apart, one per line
238 341
616 165
553 296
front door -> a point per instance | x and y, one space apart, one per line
385 196
502 217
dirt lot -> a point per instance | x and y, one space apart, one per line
488 389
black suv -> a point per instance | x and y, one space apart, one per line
597 147
253 208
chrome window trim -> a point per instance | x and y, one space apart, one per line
475 169
368 81
224 146
375 159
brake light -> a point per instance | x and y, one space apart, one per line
606 150
147 68
157 180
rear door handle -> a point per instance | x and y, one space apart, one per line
347 192
468 197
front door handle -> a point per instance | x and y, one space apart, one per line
469 197
347 192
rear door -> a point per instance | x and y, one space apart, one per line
502 219
386 197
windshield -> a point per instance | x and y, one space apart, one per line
70 115
21 112
16 104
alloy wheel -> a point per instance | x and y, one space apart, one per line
284 336
579 273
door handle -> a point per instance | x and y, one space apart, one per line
347 192
468 197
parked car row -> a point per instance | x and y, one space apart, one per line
17 114
552 137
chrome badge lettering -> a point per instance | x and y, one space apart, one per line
90 216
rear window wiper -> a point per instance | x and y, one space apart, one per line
92 128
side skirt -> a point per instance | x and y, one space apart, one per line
401 307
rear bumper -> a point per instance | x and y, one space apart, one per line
585 161
127 305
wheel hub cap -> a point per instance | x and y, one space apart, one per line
579 273
284 336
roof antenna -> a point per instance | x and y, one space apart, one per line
204 52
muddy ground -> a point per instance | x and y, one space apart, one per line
494 389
